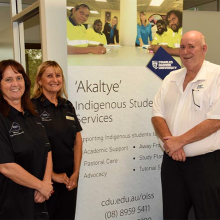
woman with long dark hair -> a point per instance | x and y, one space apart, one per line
25 157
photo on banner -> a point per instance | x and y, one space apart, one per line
113 97
91 28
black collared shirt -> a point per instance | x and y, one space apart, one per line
23 140
61 125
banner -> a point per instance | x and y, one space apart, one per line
120 170
113 96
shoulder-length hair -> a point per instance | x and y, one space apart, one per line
116 21
38 91
142 13
178 14
25 99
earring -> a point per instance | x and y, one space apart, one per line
40 87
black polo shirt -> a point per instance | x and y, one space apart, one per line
61 125
23 140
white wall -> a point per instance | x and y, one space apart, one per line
6 39
207 23
53 32
211 6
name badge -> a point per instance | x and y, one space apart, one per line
70 118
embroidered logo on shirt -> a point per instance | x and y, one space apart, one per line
39 123
15 129
45 116
200 87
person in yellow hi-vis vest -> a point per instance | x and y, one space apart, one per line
95 35
174 31
162 36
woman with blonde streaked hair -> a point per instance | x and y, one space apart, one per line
63 129
41 69
111 31
144 32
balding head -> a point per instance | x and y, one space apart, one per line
192 50
196 35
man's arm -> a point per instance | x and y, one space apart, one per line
197 133
161 127
171 51
86 50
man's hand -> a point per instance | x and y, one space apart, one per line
154 48
98 50
179 155
172 144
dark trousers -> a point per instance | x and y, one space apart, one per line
195 182
62 203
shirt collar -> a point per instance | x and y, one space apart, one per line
179 77
111 26
13 112
72 22
98 32
45 102
201 75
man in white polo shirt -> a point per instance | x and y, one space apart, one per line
186 118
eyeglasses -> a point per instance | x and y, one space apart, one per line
193 98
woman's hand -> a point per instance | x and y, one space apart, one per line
73 181
46 189
60 178
38 197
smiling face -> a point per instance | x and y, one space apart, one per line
12 85
143 18
98 27
51 81
193 50
80 16
173 22
160 28
114 22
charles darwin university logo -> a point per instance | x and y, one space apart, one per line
155 64
162 63
15 129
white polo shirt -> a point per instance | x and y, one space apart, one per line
183 110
